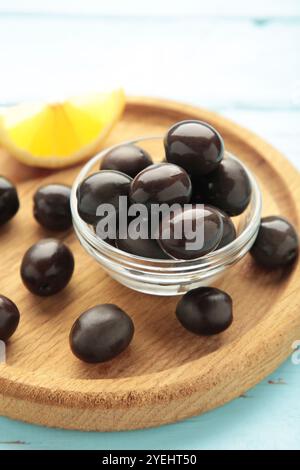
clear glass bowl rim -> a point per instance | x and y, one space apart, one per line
212 259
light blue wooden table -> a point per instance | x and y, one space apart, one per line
241 59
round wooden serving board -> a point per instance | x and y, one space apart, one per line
167 374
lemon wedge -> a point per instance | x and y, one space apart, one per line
56 135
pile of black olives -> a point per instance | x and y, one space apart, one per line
194 172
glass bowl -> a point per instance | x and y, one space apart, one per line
166 277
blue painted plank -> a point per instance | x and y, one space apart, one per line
212 62
230 8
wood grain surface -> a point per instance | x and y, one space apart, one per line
167 373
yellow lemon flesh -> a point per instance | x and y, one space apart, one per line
60 134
